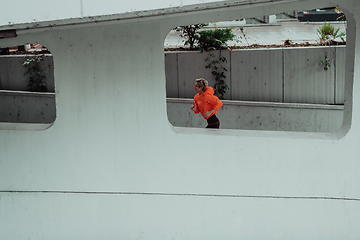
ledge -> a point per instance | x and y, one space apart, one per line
27 93
25 126
266 104
141 14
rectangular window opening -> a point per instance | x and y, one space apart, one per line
27 91
284 72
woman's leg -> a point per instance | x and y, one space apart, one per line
213 122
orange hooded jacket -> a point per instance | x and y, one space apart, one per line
206 102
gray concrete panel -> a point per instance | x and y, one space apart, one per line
192 65
305 80
171 73
261 116
340 74
270 75
27 107
256 75
12 72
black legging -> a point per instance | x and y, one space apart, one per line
213 122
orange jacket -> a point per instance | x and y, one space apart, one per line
206 102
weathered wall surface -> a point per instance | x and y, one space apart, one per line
123 172
42 10
27 107
261 116
40 108
13 73
290 75
268 75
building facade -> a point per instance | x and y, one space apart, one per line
111 166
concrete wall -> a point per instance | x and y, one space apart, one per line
113 167
290 75
27 107
12 72
270 75
261 116
38 109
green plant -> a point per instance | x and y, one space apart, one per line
214 39
218 71
36 73
325 62
208 40
190 33
328 33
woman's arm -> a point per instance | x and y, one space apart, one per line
208 113
195 108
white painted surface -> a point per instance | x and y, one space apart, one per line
206 184
272 19
19 11
16 12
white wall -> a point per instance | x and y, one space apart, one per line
20 11
123 172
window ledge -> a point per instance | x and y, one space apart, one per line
266 104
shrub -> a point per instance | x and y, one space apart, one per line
214 39
328 33
190 33
36 73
